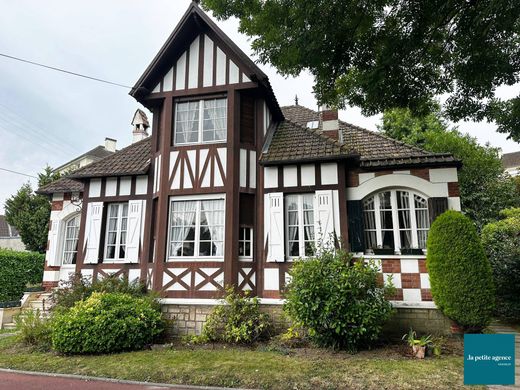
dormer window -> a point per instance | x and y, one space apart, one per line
200 121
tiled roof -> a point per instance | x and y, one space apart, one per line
132 160
373 149
95 154
63 184
511 160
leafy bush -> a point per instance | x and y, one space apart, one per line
78 288
17 269
237 320
339 301
105 323
501 241
34 330
460 274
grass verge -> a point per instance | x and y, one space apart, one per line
262 367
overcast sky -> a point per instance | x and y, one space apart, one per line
48 117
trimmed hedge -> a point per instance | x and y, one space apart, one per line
501 241
460 274
17 269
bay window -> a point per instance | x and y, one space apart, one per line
116 231
396 219
200 121
70 244
299 217
196 228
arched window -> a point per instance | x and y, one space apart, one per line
396 219
70 245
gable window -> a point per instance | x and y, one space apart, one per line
396 220
200 121
196 228
299 226
116 230
70 245
245 242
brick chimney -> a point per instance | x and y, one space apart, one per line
329 124
141 125
110 144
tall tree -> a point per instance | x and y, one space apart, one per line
29 212
485 189
381 54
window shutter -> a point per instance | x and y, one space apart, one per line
93 232
323 217
276 237
135 230
437 206
356 227
52 256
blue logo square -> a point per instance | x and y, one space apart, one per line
489 359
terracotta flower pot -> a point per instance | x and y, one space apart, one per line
418 351
456 329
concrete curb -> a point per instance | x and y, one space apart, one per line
112 380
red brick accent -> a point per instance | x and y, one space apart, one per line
453 189
411 280
271 294
331 134
67 196
426 294
57 205
51 267
423 173
391 266
49 285
352 178
380 280
398 295
382 173
329 115
422 266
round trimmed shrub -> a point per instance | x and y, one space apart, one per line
501 241
105 323
338 301
460 274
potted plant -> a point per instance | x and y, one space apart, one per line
436 346
418 345
383 251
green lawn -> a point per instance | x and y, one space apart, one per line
304 368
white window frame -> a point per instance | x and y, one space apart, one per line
116 258
201 123
395 217
243 240
64 251
301 225
195 257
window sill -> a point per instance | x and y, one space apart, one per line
119 261
199 143
193 258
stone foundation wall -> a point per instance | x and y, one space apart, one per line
190 319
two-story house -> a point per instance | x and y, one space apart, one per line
231 188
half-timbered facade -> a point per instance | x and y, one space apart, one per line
231 188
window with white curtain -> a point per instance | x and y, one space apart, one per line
396 219
70 244
116 230
200 121
299 225
196 228
245 242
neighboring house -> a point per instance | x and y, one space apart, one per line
511 163
9 236
89 157
231 188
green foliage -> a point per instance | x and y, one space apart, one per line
78 288
338 301
484 187
411 339
501 241
17 269
106 323
384 54
34 330
460 274
237 320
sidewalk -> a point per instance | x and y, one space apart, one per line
501 328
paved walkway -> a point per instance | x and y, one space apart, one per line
501 328
23 380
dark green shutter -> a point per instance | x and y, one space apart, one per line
356 232
436 207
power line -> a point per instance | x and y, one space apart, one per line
18 173
64 71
